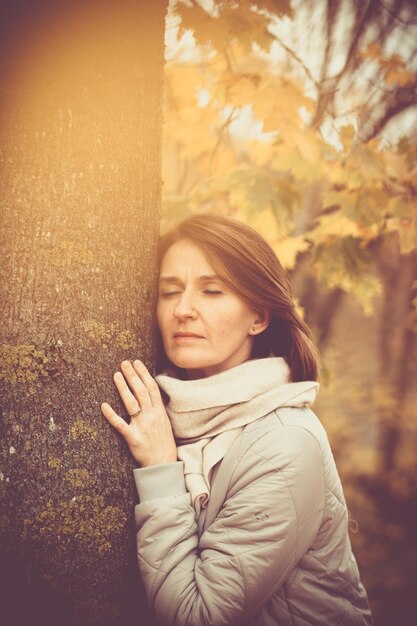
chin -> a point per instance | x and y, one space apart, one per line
189 362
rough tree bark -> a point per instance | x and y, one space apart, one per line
80 149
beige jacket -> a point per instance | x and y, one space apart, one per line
271 549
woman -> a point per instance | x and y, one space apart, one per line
242 518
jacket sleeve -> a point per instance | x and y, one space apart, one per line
269 519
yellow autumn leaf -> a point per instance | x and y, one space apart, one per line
372 51
368 162
241 90
287 98
400 77
332 271
301 169
334 224
299 150
406 228
398 207
223 162
261 152
396 164
182 83
206 28
246 26
309 144
347 135
276 7
347 173
237 197
287 249
266 224
368 232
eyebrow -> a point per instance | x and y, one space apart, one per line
204 279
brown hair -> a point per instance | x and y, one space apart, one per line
248 265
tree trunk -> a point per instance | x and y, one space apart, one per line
396 347
80 149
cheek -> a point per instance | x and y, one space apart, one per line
161 318
234 326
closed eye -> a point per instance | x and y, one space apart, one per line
211 292
167 294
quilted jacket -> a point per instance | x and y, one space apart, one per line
272 547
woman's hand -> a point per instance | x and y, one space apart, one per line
149 434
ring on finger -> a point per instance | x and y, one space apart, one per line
136 413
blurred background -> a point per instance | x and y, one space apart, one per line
300 119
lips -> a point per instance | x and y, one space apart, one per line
187 334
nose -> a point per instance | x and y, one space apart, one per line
184 307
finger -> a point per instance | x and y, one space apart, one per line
115 420
129 400
136 385
149 382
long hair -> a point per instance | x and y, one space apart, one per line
250 268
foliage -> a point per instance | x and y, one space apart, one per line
258 157
303 157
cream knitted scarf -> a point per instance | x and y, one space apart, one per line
208 414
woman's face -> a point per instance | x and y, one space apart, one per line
205 327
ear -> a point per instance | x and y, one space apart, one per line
260 323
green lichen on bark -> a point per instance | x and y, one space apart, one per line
81 430
22 363
84 520
106 335
126 340
78 477
54 463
